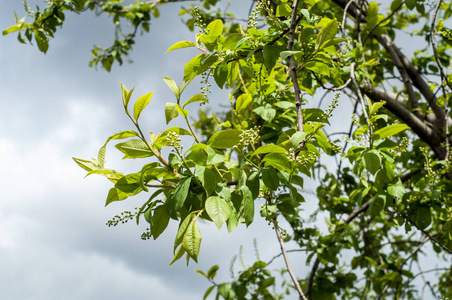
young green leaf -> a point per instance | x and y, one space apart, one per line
248 205
173 86
192 240
225 139
215 28
159 221
170 111
196 98
86 165
242 102
372 161
218 210
269 149
270 177
140 104
389 131
180 45
327 33
134 149
115 195
177 199
126 95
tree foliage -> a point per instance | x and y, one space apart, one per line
385 185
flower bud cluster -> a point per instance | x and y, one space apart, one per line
205 90
123 218
147 234
402 147
28 9
335 148
300 160
332 106
198 19
173 139
255 14
248 137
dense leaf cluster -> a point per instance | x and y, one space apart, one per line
388 197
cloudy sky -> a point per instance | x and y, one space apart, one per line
53 240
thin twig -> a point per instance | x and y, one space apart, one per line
344 18
384 20
430 236
286 260
332 88
287 251
315 266
292 67
361 99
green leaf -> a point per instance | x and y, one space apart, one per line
279 161
389 131
271 55
126 95
171 111
11 29
173 86
192 240
269 149
270 177
297 138
375 107
242 102
218 210
395 4
134 149
285 54
213 157
378 204
159 221
327 33
225 139
196 98
396 190
318 68
372 161
115 195
283 10
208 291
86 165
177 199
231 41
220 74
130 184
147 205
208 178
215 28
422 217
194 67
410 4
178 255
248 205
42 41
182 228
180 45
140 104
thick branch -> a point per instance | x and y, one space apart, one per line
394 104
386 42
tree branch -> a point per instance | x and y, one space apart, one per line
292 68
315 266
443 75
